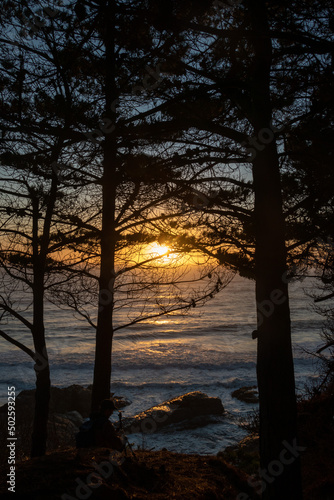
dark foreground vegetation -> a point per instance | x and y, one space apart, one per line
156 474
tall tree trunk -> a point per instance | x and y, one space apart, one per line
104 332
279 454
42 395
42 369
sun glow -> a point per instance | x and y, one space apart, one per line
156 250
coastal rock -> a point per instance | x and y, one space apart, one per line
121 402
72 398
249 445
244 454
62 400
247 394
187 407
62 430
74 417
193 423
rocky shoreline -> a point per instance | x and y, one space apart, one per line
70 406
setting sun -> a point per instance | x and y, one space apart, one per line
157 250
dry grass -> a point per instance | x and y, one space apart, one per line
156 475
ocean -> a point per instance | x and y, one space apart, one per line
208 350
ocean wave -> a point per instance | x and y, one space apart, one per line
185 365
189 386
176 331
76 364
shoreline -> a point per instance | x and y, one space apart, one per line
191 432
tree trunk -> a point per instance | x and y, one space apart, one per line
279 454
42 370
42 397
104 332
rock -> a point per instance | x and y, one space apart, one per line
247 394
194 423
72 398
68 409
244 455
249 445
121 402
62 430
186 407
62 400
74 417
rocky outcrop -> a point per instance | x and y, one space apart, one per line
191 407
249 444
62 400
68 409
62 429
244 454
71 405
247 394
